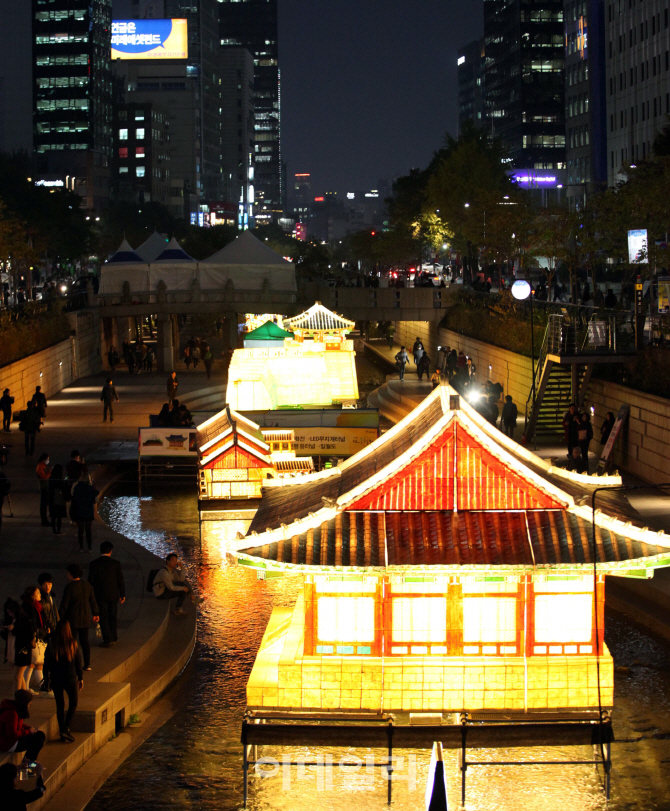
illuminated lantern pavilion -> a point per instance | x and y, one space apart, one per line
446 568
312 365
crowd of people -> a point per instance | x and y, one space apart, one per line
197 350
31 419
138 357
578 434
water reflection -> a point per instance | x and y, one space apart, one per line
194 760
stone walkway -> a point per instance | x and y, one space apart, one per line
74 420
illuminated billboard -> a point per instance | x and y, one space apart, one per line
149 39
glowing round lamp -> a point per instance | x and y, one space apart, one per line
521 289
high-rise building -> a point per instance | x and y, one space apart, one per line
237 129
141 163
585 100
637 37
16 78
471 97
190 89
524 81
252 24
72 95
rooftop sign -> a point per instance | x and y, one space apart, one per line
150 39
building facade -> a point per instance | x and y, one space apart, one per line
637 38
237 130
141 163
252 24
72 95
585 99
525 94
471 94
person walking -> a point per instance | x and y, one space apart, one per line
107 397
452 363
78 606
40 403
187 356
106 577
6 403
64 666
32 606
195 355
30 425
390 334
417 350
125 351
43 475
15 735
584 437
606 428
509 416
423 366
208 360
59 495
25 634
570 419
130 359
172 386
401 360
112 359
149 360
82 512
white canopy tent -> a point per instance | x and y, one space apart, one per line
125 265
247 262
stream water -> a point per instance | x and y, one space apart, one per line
194 761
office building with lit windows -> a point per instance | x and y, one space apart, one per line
252 24
637 40
524 82
585 100
471 97
141 163
72 95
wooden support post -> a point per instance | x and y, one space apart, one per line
464 763
389 768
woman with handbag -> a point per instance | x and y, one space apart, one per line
32 606
64 666
59 495
24 633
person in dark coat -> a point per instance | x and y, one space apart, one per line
606 428
50 613
13 798
6 403
509 416
112 359
584 437
40 402
83 508
30 425
75 467
59 495
423 366
24 633
106 577
79 607
64 666
164 415
107 397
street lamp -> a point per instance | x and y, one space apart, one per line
522 290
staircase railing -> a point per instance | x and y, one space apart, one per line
549 340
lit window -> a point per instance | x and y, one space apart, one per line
489 619
140 171
419 619
139 151
563 617
139 115
123 135
123 170
346 619
123 151
139 133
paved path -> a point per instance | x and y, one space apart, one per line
74 420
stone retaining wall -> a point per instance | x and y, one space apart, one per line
56 367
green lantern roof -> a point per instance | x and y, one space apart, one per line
268 331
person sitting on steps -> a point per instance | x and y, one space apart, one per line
170 583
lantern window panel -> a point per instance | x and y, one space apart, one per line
489 619
419 619
563 618
346 619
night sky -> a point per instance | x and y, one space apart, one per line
369 87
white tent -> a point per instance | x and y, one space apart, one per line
174 267
247 262
125 265
151 248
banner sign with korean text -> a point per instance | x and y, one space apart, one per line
150 39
